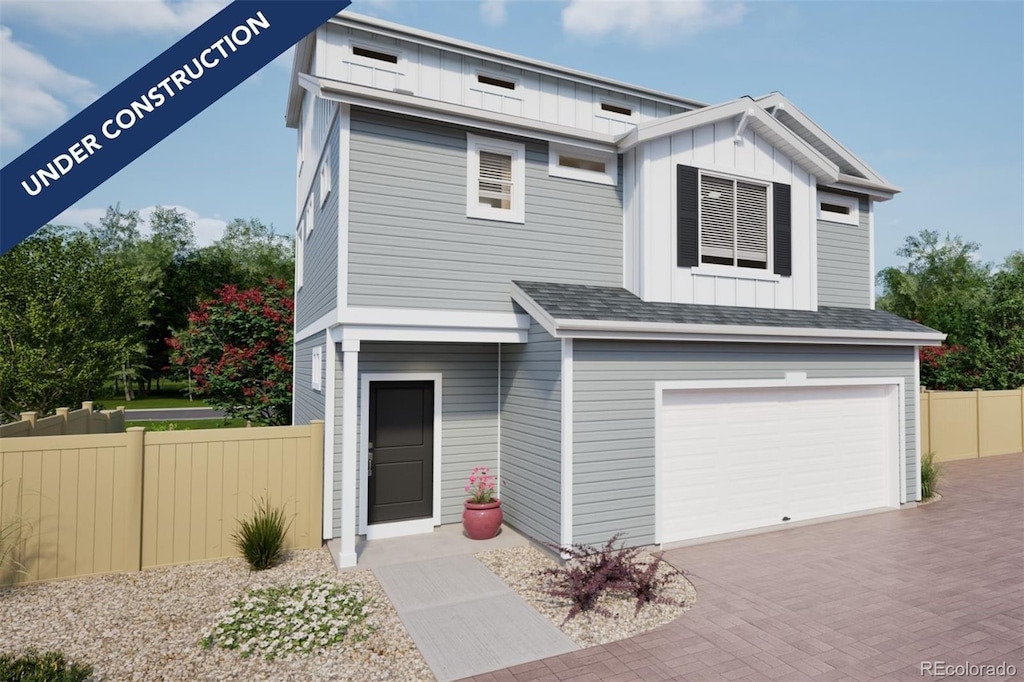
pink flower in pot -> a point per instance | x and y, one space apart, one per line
482 516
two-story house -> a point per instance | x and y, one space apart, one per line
647 314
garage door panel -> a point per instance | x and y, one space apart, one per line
740 459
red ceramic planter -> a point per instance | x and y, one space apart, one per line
482 521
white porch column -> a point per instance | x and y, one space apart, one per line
349 451
330 428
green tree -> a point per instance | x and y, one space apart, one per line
66 317
238 347
252 252
1004 326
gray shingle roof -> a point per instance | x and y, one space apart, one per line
582 302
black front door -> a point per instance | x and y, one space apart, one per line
401 448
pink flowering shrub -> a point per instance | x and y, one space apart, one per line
482 486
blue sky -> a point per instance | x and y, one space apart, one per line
930 94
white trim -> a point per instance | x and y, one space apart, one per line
325 181
812 198
435 110
610 175
496 89
917 422
567 442
716 270
516 213
497 478
601 112
425 317
344 144
894 484
330 397
364 441
321 323
848 183
433 335
395 529
848 202
317 369
349 452
871 250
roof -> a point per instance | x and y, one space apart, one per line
576 310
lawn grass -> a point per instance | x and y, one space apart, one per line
188 424
171 394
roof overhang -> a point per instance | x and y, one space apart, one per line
301 62
662 331
746 113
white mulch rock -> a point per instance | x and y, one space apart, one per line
522 570
148 625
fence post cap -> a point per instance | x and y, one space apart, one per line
87 405
29 416
136 428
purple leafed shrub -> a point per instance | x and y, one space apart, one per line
648 582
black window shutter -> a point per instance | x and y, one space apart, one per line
686 216
782 230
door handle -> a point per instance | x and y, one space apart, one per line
369 460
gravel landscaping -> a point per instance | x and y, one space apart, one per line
149 625
521 569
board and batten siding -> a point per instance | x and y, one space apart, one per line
469 410
319 290
650 220
844 261
412 246
451 76
614 414
531 434
309 402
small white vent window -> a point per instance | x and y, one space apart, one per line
300 244
496 81
325 181
615 108
318 368
733 222
495 179
310 221
376 55
838 208
577 163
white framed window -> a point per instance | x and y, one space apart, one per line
318 368
735 222
577 163
375 55
495 179
300 243
310 222
325 181
838 208
496 82
611 108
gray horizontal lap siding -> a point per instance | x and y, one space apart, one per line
469 410
613 414
319 290
531 435
844 262
309 403
412 246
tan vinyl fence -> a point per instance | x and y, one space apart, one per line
102 503
968 424
66 422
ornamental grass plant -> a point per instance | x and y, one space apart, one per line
260 538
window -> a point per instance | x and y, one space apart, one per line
577 163
310 222
838 208
613 108
733 222
325 181
495 179
376 55
496 81
300 241
318 368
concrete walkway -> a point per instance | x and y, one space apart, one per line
868 598
464 619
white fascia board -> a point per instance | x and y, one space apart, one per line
425 317
436 110
453 45
323 322
535 311
776 133
775 99
432 335
300 64
878 192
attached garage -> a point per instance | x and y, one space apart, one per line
733 457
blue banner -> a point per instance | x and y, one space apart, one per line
148 106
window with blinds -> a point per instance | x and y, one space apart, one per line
733 222
496 180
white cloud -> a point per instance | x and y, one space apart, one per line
206 229
36 94
648 22
492 12
74 17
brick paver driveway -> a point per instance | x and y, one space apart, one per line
861 599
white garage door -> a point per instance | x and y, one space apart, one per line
738 459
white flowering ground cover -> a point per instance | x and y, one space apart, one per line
150 625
